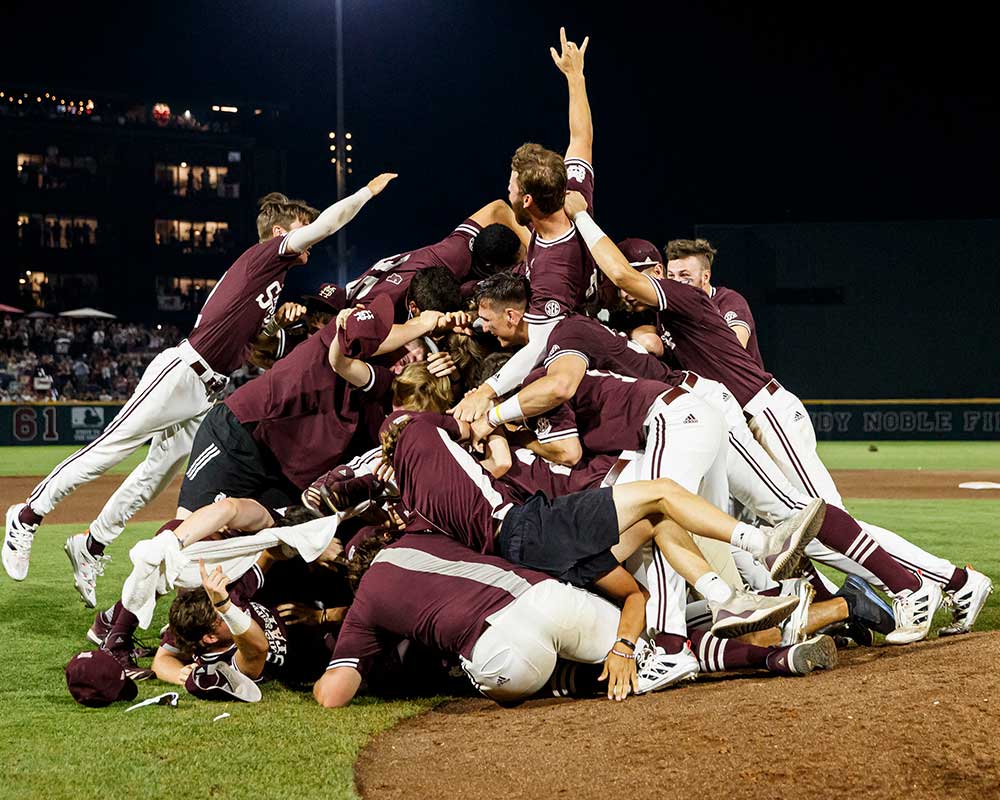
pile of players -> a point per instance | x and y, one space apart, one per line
512 452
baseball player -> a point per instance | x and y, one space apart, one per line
560 268
178 388
693 329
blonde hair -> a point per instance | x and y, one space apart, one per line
683 248
415 389
276 209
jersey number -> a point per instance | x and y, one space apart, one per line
357 289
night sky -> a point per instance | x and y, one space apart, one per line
708 112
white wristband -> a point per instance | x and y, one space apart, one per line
507 411
589 229
237 619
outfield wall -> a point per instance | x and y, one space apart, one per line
969 419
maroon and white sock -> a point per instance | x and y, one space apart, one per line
718 655
957 581
122 628
28 517
670 642
841 532
822 592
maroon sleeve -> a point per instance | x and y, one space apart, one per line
559 423
679 299
736 312
380 383
242 590
580 178
569 337
359 643
455 250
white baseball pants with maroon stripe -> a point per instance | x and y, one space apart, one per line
517 652
685 441
167 406
782 426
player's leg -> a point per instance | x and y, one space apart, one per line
168 451
168 392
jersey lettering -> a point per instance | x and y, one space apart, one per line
360 287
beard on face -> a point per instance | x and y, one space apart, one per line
520 213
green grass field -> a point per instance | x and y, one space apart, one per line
287 746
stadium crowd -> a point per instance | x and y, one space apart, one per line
451 466
75 359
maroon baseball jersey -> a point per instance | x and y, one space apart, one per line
243 300
601 348
308 416
562 272
241 592
736 312
430 589
530 474
442 484
587 416
690 325
391 276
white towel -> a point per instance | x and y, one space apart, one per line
159 564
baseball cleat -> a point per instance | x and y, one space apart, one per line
866 608
914 612
86 568
658 670
17 543
122 649
819 652
793 629
788 540
967 602
744 613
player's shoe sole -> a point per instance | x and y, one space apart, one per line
86 587
805 526
967 602
745 613
16 550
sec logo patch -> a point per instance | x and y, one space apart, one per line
552 308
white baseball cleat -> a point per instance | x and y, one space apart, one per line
17 543
793 629
86 568
659 670
788 541
744 613
914 612
966 603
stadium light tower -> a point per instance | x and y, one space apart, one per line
341 165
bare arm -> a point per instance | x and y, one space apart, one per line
742 333
620 672
169 668
353 370
337 687
498 459
335 217
241 514
581 125
498 212
566 452
251 643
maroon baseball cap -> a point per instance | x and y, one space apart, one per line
331 295
366 328
640 253
95 679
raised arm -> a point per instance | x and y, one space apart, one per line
336 216
609 258
499 212
230 513
251 643
581 126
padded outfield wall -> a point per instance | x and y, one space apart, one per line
975 419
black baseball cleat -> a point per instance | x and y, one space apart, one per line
121 648
866 608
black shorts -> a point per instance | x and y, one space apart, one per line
569 537
225 460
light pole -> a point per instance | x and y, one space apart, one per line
341 164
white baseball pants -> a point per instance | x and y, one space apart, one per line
516 654
169 396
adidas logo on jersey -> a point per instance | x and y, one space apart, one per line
689 419
798 416
726 396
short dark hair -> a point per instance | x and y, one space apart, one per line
542 174
504 288
192 616
495 248
491 365
435 289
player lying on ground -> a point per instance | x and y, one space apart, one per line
178 388
700 339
